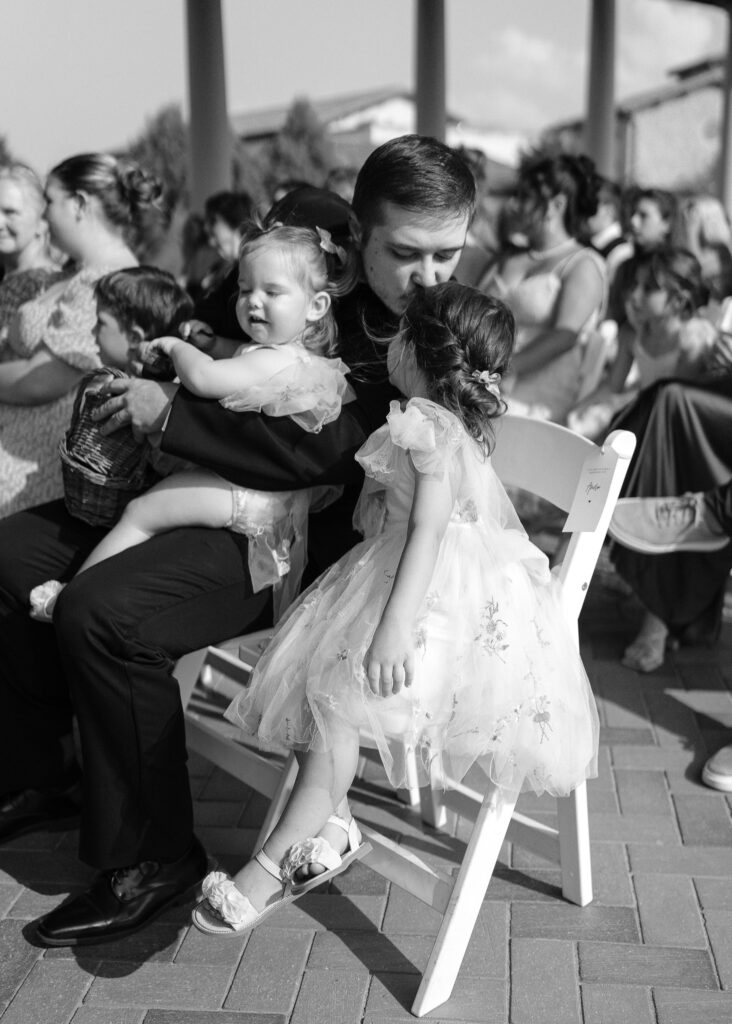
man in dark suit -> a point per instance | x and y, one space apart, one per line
119 627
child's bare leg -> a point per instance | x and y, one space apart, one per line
320 789
196 498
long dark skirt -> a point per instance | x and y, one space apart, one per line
684 443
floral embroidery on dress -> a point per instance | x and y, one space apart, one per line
466 511
492 631
540 634
542 717
420 638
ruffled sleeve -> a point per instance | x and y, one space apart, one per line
311 390
63 319
429 433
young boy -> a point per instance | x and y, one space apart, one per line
135 305
102 473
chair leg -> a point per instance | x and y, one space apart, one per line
574 846
467 896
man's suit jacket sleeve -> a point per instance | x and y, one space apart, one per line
274 453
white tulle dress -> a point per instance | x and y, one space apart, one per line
498 681
310 390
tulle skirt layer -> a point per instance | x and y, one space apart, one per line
498 682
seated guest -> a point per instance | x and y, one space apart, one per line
684 432
607 236
702 226
700 522
92 201
24 251
118 628
225 214
669 336
556 289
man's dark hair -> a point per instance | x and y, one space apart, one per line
144 297
415 172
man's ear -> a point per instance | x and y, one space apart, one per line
319 306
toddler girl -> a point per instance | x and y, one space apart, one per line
285 307
668 337
443 627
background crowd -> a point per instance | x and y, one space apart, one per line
622 299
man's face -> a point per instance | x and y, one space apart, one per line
408 250
650 229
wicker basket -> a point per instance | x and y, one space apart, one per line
101 473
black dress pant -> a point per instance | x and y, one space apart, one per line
108 659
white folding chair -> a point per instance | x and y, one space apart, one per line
557 465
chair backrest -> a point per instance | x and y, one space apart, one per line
552 462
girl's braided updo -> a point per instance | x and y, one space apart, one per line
459 337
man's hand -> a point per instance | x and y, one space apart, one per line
141 404
389 661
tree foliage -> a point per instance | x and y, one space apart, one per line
6 157
162 147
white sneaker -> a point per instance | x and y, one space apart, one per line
717 772
658 526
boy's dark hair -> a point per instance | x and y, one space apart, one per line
232 207
418 173
144 297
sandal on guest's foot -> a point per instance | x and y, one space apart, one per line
319 851
227 911
646 653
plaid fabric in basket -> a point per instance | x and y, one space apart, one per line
101 473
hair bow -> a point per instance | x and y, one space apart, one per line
490 381
328 245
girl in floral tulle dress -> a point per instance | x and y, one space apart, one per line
287 279
442 628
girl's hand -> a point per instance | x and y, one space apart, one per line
199 334
389 661
159 346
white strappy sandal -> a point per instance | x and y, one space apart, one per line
227 911
319 851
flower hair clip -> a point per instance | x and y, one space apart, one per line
490 381
328 245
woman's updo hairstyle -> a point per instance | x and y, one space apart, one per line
545 176
125 190
676 271
459 337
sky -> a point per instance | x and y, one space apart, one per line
81 75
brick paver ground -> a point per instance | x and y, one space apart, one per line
654 947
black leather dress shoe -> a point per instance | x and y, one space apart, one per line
122 901
31 809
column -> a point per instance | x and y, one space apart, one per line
600 120
725 128
210 133
430 73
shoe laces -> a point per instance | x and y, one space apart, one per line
677 512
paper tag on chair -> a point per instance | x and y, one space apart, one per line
592 490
